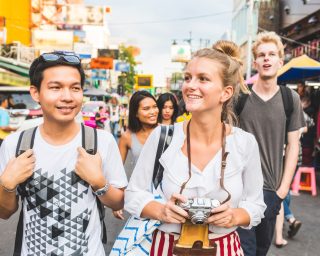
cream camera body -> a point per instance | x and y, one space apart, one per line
199 209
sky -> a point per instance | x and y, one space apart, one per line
153 25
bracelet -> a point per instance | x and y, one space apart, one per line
6 189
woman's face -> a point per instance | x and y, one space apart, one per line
203 88
148 111
167 110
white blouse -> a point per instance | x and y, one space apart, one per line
243 176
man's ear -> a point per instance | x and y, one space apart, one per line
227 93
281 63
34 93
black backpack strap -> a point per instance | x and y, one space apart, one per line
287 100
25 142
241 101
166 135
89 139
90 144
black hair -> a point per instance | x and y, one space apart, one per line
163 98
134 123
39 65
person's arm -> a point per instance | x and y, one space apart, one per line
291 159
8 128
8 202
167 212
16 172
124 145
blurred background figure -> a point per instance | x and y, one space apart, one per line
168 109
99 118
5 129
114 115
183 114
143 118
308 139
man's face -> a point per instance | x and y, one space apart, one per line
60 95
268 62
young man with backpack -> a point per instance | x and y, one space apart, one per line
62 171
274 115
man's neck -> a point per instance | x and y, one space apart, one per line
266 88
57 133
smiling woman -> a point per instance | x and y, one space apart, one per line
208 162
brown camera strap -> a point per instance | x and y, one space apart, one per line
223 160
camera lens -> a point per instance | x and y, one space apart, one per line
198 218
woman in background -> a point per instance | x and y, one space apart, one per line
168 109
143 116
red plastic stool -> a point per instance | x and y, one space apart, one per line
309 184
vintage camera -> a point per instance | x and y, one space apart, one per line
199 209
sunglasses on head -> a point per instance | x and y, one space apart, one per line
65 56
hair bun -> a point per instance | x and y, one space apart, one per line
229 48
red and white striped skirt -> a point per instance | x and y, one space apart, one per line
228 245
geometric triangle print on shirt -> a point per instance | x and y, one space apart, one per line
58 215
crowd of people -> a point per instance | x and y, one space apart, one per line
220 150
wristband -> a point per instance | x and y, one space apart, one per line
6 189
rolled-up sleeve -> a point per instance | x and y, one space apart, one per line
252 196
138 193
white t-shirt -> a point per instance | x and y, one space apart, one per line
242 178
60 211
114 113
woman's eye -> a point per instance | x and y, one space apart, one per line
203 79
187 78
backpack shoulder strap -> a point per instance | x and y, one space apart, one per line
241 101
89 139
166 135
90 144
287 100
26 140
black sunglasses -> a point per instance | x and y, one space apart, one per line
65 56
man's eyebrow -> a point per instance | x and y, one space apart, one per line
59 83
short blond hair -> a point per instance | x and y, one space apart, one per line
268 37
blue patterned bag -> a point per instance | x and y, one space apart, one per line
135 239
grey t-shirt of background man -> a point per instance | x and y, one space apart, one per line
266 120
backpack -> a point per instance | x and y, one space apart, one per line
287 100
25 142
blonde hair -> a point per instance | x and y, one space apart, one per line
268 37
227 54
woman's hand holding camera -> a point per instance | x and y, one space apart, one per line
172 213
223 216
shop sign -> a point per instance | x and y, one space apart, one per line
101 63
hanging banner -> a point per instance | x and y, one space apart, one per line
112 53
101 63
180 53
122 67
85 15
143 81
52 39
